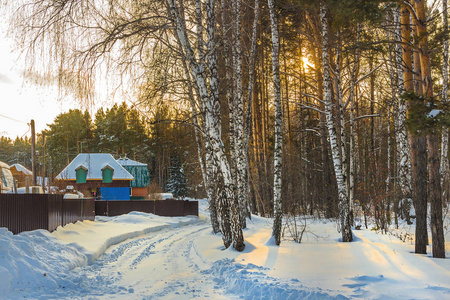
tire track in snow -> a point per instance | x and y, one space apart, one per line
105 276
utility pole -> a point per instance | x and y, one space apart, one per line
43 162
1 179
33 152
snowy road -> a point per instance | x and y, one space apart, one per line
161 264
143 256
168 264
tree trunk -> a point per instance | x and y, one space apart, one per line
444 141
208 170
404 160
250 96
337 160
416 144
212 123
353 136
437 230
240 153
278 150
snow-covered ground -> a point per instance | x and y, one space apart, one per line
142 256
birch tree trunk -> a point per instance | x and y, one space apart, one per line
278 150
206 163
337 160
404 160
212 122
227 20
214 91
328 193
342 136
241 168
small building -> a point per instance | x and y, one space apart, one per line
98 175
6 178
20 173
139 186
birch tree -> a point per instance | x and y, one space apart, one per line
238 117
212 121
344 217
404 162
278 154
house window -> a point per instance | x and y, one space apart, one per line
81 175
107 174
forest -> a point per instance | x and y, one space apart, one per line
335 109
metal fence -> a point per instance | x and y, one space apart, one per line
25 212
168 208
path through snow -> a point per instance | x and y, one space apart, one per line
142 256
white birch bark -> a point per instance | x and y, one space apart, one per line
404 160
278 151
214 97
229 90
200 41
444 141
206 163
240 153
212 123
337 160
342 138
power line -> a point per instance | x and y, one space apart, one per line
13 119
29 127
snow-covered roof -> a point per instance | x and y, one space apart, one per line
6 177
125 161
94 163
22 169
4 165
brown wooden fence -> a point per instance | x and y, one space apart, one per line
25 212
168 208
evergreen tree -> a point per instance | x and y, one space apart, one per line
177 183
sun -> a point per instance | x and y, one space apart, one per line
306 62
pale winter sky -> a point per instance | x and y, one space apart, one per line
22 100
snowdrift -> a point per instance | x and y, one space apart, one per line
143 256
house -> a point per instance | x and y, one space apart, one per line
6 178
20 173
98 175
139 186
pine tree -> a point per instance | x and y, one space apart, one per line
177 183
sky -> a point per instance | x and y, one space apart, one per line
22 100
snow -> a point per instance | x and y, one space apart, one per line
7 182
125 161
22 169
143 256
94 163
433 113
